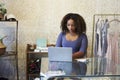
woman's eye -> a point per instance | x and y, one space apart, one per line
70 25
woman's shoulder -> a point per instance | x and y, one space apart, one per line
62 33
83 35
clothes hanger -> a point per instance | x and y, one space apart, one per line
117 20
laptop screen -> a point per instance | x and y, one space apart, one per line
60 58
60 54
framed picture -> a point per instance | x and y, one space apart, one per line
8 35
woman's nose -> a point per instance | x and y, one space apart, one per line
70 26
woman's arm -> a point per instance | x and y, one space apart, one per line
77 55
59 40
83 48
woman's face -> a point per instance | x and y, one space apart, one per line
71 26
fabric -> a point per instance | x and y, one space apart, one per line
97 32
104 43
79 44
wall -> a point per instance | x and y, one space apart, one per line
41 18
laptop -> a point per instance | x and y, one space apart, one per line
60 54
60 58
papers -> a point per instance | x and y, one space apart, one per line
37 79
52 74
82 60
41 49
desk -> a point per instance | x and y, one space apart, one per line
99 68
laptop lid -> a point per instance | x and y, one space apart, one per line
60 54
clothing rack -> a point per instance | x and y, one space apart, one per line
102 16
102 64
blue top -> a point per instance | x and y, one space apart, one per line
80 44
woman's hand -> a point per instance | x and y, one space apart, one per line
77 55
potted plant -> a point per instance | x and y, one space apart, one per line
3 10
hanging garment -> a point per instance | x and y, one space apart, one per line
101 23
96 38
119 48
96 46
114 56
112 53
104 43
109 53
102 48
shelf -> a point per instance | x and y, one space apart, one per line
35 74
7 21
40 54
10 53
32 52
6 55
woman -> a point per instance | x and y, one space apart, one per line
73 35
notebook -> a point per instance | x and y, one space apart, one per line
60 54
